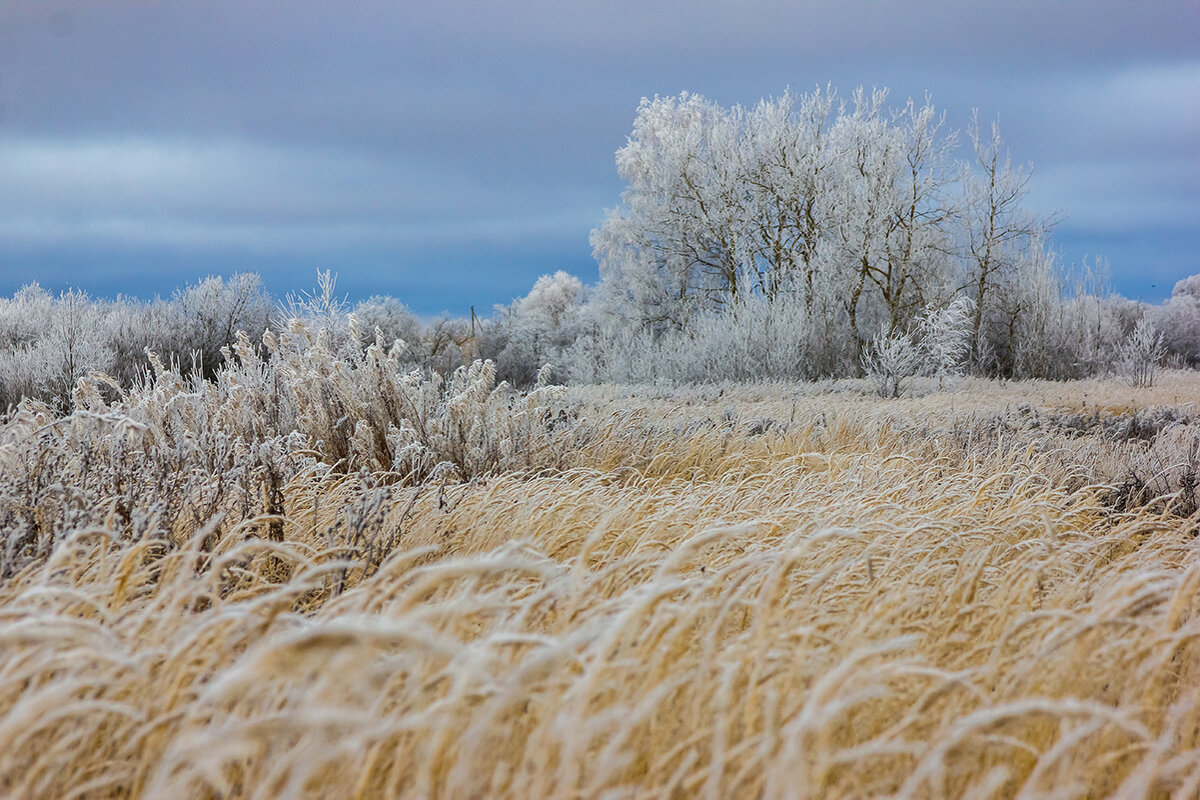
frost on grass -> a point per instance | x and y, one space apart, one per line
175 451
222 590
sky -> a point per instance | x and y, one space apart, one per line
448 152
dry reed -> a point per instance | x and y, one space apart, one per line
772 591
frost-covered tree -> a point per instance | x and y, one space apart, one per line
892 238
24 319
212 313
446 344
675 239
787 161
852 206
946 337
889 360
391 320
71 343
726 202
1178 319
536 330
1140 356
133 328
1001 242
47 343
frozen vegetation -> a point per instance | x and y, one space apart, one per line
835 485
315 576
808 237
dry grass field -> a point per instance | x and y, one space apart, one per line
756 591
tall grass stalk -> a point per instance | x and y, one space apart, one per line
225 591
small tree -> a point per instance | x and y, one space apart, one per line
391 319
74 345
946 337
538 328
997 231
1178 320
889 360
1140 356
210 315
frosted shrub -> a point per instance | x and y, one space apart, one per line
613 355
442 346
389 318
446 344
47 343
209 316
1053 325
889 360
536 329
946 337
751 338
1140 356
187 451
20 375
1081 338
1179 320
23 317
131 328
59 341
1087 328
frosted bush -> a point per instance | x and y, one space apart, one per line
446 344
889 360
389 318
1179 320
946 337
536 329
60 340
751 338
1140 356
47 343
209 316
189 451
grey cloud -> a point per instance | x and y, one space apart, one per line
388 132
1129 183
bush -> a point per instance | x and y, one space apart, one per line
189 450
1140 356
889 360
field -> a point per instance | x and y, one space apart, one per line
742 591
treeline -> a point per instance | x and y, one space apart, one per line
48 342
1070 333
811 236
806 237
800 237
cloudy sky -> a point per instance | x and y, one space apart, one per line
449 152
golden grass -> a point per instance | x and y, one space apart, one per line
758 591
